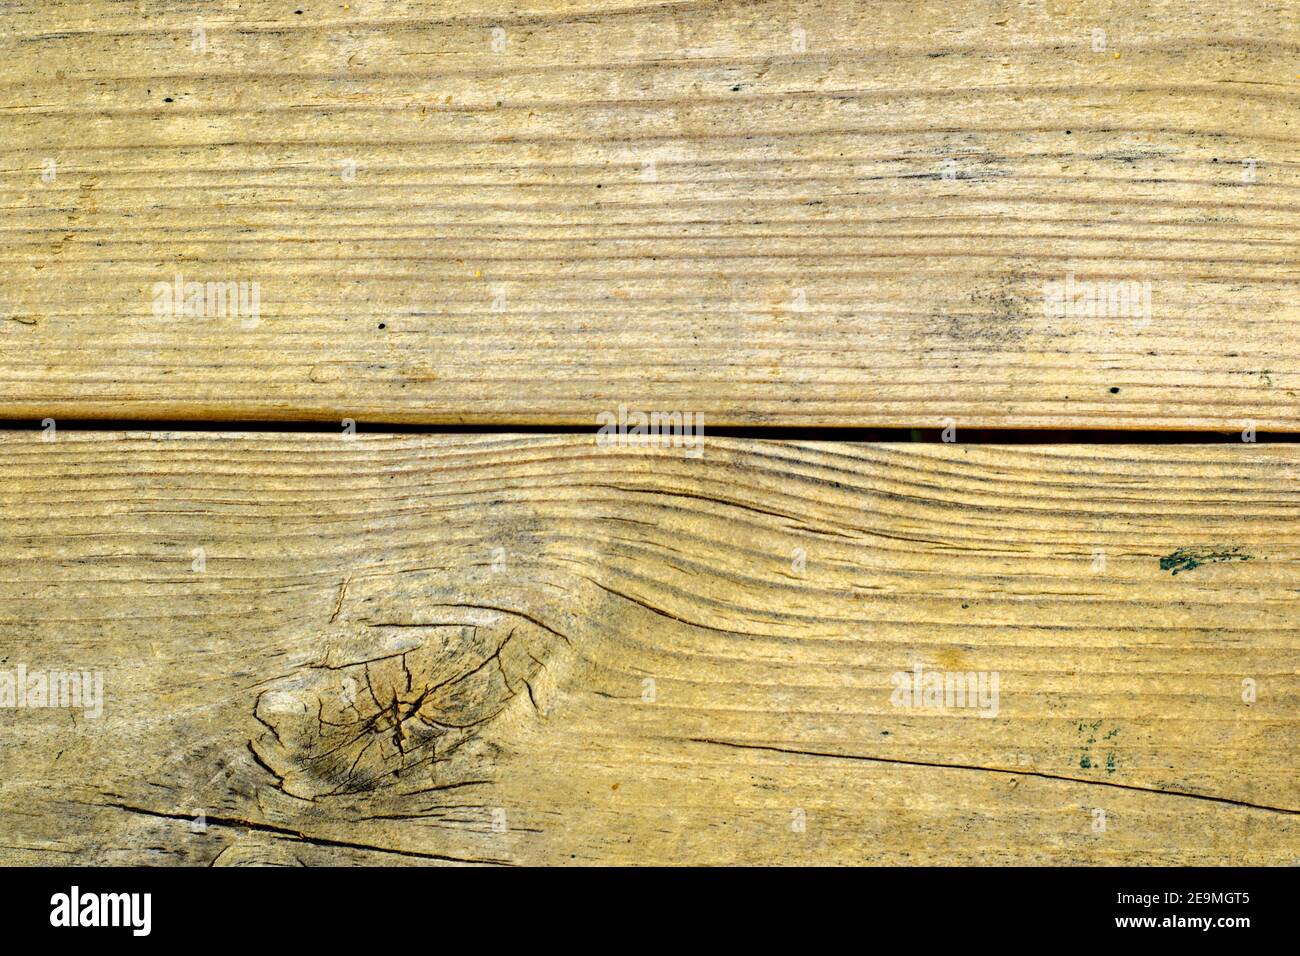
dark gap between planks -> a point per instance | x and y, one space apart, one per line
965 436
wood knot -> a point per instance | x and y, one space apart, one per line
402 706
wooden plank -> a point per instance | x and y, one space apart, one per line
532 650
740 209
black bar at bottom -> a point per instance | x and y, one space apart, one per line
402 906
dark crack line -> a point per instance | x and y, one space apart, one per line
725 502
476 607
447 786
660 611
279 778
256 716
298 835
1003 770
495 656
368 660
338 604
531 696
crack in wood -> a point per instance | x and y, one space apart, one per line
398 705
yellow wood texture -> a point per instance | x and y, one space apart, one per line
809 213
530 649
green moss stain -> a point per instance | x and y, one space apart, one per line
1189 559
1092 737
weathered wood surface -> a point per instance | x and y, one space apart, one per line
418 649
688 206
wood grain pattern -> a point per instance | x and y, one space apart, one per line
685 205
420 650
